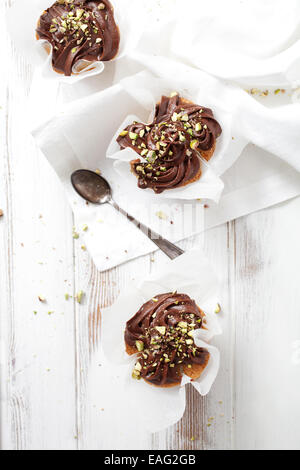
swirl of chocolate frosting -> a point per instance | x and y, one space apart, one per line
161 331
79 30
171 144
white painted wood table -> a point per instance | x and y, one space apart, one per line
45 359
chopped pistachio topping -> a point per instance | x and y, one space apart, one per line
133 135
139 168
123 133
136 375
171 345
139 345
194 144
161 329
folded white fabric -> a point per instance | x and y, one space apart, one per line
252 42
190 274
81 133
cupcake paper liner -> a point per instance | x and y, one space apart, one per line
190 274
23 17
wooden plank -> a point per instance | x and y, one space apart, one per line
207 423
267 299
37 350
5 287
47 361
98 428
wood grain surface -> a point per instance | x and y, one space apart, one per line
46 357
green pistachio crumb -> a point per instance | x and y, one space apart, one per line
123 133
133 135
161 215
139 345
218 308
161 329
136 375
79 296
194 144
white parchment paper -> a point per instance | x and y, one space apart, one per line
82 131
159 408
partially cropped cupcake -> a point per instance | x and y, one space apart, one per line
171 145
79 30
161 333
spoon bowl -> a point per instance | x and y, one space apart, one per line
95 189
91 186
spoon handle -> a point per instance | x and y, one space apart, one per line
171 250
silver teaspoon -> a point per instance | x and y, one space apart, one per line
95 189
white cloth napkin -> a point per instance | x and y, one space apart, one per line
191 274
253 42
81 133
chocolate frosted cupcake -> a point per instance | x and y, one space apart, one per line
161 333
170 146
79 30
